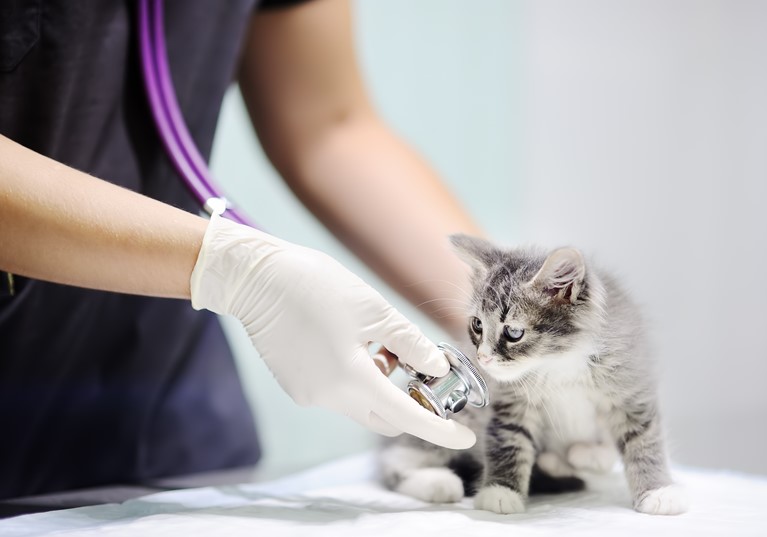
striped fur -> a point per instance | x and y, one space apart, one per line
577 388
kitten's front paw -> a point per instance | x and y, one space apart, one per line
436 485
599 458
499 499
670 500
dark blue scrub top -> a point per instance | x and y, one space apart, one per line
101 388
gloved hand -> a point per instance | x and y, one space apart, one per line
312 320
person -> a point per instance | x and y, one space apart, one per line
105 376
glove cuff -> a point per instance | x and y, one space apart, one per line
229 254
206 281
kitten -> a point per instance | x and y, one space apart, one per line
564 353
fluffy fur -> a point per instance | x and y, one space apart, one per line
565 355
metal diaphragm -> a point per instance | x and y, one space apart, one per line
451 393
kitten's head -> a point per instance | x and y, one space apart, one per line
531 311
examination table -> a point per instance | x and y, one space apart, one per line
343 498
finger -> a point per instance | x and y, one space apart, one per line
379 422
371 421
406 341
398 409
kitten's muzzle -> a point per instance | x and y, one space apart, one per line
485 358
449 394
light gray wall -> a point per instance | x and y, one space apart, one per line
635 130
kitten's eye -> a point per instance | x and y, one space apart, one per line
476 325
513 334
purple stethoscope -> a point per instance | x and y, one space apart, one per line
444 395
173 131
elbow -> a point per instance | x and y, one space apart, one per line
294 140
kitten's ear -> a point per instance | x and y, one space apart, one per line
479 254
562 274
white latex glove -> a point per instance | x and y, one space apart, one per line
311 320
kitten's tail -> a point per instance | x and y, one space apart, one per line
470 471
543 483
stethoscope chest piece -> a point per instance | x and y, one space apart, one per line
450 394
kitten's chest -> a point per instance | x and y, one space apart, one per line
571 413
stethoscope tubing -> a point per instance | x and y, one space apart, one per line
179 145
191 167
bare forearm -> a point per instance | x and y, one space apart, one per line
61 225
390 208
305 95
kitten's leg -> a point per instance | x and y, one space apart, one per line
510 455
554 465
599 456
592 456
639 438
420 471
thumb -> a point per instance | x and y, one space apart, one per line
390 405
408 343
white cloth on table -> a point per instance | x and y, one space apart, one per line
343 498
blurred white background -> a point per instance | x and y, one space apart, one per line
635 130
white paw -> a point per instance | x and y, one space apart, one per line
598 458
553 465
436 485
670 500
499 499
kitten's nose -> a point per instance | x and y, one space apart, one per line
484 358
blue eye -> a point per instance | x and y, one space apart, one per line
476 325
513 334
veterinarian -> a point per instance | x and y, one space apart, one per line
105 375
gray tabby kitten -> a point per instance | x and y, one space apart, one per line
564 353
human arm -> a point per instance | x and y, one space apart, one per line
304 93
64 226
